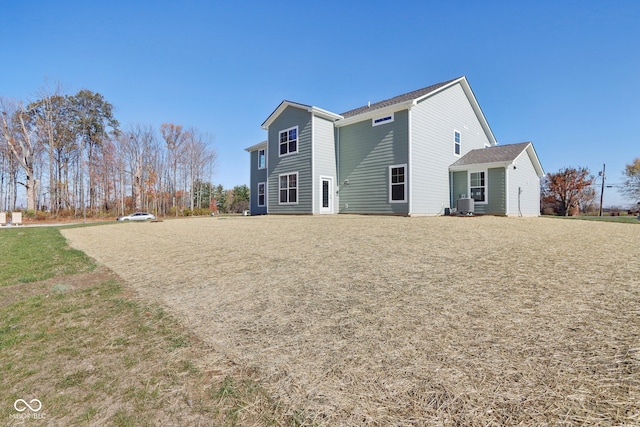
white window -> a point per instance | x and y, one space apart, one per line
397 183
289 189
289 141
457 143
478 186
262 194
377 121
262 159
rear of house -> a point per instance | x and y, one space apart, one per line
407 155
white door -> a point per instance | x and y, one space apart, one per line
326 195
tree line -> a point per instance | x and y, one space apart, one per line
572 190
71 157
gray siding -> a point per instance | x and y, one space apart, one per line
495 182
459 183
496 193
432 148
324 159
524 188
365 154
299 162
257 175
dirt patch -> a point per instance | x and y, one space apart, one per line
405 321
55 285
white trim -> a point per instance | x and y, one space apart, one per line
265 158
404 200
256 146
264 194
382 120
486 185
289 153
379 112
459 143
313 110
297 187
329 209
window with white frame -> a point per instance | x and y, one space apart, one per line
478 186
457 143
289 141
262 159
262 194
377 121
397 183
289 189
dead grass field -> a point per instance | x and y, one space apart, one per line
350 320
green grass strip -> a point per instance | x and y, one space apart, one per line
34 254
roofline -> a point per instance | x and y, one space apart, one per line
406 105
487 165
367 115
529 149
320 112
257 146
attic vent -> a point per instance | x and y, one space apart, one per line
382 120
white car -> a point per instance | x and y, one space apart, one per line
138 216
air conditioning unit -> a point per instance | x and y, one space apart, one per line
466 206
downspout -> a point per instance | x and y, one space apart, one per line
337 154
409 158
313 162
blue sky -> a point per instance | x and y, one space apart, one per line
562 74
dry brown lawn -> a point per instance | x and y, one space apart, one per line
351 320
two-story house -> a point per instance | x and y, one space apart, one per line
414 154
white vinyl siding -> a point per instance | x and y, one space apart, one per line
433 122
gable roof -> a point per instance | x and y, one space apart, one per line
310 108
258 146
498 155
410 99
407 97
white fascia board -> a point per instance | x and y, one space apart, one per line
283 105
479 166
258 146
325 114
531 151
379 112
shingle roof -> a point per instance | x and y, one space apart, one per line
496 154
397 99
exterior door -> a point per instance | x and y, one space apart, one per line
326 195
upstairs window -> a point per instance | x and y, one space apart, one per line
397 184
262 159
289 141
382 120
478 187
457 143
289 189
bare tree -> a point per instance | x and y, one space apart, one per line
198 158
21 143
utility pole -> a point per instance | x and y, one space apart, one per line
602 190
